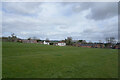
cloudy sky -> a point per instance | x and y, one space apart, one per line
91 21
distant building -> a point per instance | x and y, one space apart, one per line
40 42
108 45
89 45
5 39
117 46
46 43
9 39
58 43
61 44
28 41
98 45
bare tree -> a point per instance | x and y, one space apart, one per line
100 41
107 39
47 40
9 38
68 41
13 37
112 40
84 41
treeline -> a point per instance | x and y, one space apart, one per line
68 40
12 38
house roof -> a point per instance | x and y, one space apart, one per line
88 44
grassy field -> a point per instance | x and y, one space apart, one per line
43 61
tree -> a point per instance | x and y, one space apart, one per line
9 38
47 40
84 41
38 40
100 41
110 40
107 39
62 40
80 41
13 37
68 41
29 38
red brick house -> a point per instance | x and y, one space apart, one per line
29 41
90 45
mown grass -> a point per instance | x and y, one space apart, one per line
43 61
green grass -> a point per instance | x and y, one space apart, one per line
43 61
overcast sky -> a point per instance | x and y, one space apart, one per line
88 21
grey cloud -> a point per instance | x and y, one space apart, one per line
81 6
21 8
60 27
104 10
99 10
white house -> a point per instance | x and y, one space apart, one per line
61 44
46 42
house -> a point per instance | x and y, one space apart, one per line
86 45
76 44
89 45
29 41
46 43
117 46
56 44
19 40
61 44
108 45
5 39
98 45
40 42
